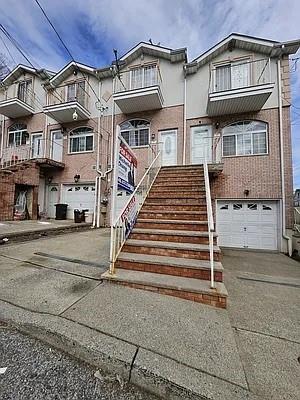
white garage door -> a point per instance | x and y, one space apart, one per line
247 224
77 196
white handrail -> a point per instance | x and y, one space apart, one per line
118 228
211 226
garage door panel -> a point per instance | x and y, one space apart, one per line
80 197
247 224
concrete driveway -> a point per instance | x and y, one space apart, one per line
250 350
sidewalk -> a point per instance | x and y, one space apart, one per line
175 348
16 231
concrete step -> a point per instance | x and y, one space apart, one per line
181 168
184 288
180 176
173 201
172 235
171 224
180 194
174 188
173 207
179 180
167 214
197 269
160 248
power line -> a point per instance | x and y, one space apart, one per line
65 46
16 44
11 56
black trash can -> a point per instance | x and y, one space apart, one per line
83 215
77 216
61 211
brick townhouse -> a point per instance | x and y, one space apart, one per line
229 107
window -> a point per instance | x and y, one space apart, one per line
233 75
18 135
266 208
225 207
136 132
81 140
245 138
76 92
24 90
252 206
143 76
237 206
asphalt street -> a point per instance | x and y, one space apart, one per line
35 371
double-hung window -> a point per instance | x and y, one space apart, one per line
144 76
76 92
245 138
18 135
81 140
136 132
24 90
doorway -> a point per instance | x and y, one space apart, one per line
168 141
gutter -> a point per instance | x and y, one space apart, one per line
283 212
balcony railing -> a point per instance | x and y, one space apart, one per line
63 94
14 155
23 104
239 75
138 78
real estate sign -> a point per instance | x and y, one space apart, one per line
127 168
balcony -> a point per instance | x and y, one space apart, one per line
15 155
139 89
16 107
65 100
239 87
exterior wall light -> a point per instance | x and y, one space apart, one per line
246 192
50 179
75 116
76 178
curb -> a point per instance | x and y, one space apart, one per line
25 236
154 373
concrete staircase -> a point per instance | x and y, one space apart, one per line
168 249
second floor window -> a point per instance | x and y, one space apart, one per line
24 90
76 92
18 135
232 76
136 132
81 140
245 138
143 76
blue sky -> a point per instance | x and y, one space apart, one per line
92 28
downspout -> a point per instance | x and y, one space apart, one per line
287 238
184 118
2 136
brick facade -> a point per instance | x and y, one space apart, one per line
259 174
28 175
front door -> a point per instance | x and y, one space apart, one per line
53 197
37 148
56 146
201 144
168 141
